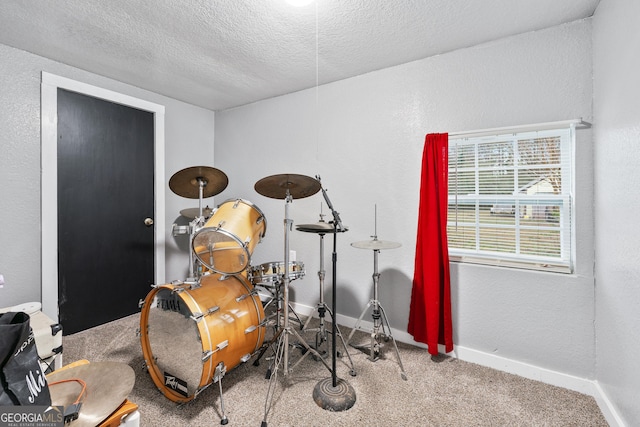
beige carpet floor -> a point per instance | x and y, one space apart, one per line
439 391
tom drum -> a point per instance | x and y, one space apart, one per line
227 240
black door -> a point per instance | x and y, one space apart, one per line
105 193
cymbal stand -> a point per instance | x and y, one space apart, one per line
321 334
379 319
282 347
194 263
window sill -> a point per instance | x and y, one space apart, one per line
552 268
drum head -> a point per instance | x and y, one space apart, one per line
187 331
175 339
221 251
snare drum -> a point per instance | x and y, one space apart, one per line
272 272
227 240
187 331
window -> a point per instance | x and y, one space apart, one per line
510 199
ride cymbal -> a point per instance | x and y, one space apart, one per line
186 183
278 186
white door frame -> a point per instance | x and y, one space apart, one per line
49 188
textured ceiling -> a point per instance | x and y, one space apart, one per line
220 54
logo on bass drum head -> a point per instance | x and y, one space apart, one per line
176 384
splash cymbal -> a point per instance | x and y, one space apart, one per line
186 183
375 244
195 212
278 186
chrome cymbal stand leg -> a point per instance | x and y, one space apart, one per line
321 334
217 376
379 320
194 263
282 352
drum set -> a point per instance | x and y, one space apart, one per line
193 331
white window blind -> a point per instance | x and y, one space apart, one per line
510 199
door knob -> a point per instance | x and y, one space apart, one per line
148 222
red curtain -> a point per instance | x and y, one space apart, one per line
430 309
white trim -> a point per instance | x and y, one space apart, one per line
49 206
536 373
517 129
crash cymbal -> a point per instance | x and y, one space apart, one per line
276 186
195 212
186 183
108 385
375 244
319 227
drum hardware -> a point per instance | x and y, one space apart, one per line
198 316
221 370
197 182
321 228
286 186
330 393
226 241
378 313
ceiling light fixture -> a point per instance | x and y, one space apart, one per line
299 3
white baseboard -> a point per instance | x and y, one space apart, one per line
547 376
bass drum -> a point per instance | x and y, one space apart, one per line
187 331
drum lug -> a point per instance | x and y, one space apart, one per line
247 241
140 304
207 354
250 329
237 202
138 332
245 296
198 316
246 357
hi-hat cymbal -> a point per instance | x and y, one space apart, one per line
376 244
195 212
278 186
186 183
319 227
108 385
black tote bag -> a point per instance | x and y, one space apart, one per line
22 380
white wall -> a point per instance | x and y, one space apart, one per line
188 138
617 156
364 136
